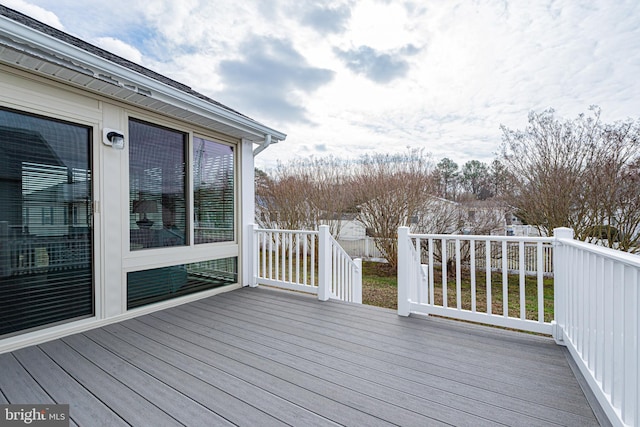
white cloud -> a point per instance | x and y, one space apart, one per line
120 48
472 65
35 12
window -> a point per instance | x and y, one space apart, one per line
159 209
46 271
213 192
159 284
47 215
157 186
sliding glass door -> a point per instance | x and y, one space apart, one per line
46 273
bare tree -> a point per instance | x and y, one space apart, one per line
574 173
303 194
628 212
282 200
614 191
329 194
392 190
548 162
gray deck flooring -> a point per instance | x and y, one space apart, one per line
259 357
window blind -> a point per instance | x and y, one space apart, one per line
157 186
46 272
214 192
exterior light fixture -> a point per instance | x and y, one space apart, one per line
113 138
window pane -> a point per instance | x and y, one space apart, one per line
157 202
213 196
45 261
159 284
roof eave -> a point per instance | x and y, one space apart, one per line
51 49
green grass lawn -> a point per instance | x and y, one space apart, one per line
379 288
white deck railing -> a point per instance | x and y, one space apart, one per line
433 266
596 300
597 310
306 261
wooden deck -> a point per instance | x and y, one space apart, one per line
259 357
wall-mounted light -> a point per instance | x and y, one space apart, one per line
113 138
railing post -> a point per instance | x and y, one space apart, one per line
560 284
357 281
403 271
254 253
324 263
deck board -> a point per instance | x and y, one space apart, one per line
431 387
460 363
265 357
84 407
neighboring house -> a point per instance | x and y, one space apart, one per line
122 191
351 228
439 216
484 217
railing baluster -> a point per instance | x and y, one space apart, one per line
297 257
445 284
313 260
592 311
618 341
420 293
264 254
304 258
271 241
540 282
458 277
488 275
431 282
283 252
472 268
599 339
521 266
608 313
629 407
505 280
290 253
274 254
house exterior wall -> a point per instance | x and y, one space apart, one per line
351 229
113 258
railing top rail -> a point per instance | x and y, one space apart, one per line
340 249
614 254
286 231
483 237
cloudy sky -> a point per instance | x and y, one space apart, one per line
350 77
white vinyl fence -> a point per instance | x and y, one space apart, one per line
362 248
306 261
